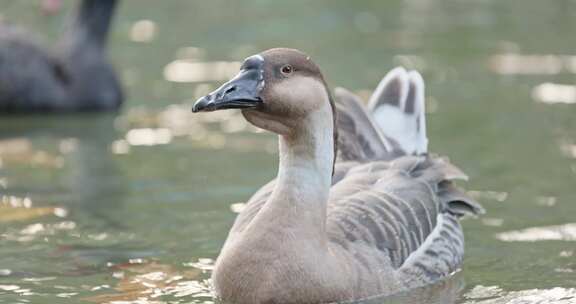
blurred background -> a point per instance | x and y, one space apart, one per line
134 206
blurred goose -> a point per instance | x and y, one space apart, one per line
76 76
380 218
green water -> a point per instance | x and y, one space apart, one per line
142 202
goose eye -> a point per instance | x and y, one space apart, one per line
286 70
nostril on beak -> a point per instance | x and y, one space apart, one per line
225 92
230 90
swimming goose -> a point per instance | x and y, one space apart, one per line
76 76
380 218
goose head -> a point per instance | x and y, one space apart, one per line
276 90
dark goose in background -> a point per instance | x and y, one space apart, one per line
74 76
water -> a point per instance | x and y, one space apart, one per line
134 208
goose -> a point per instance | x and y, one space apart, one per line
75 76
358 209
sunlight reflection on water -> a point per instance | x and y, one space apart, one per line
498 196
520 64
13 209
149 137
21 150
174 121
143 31
190 71
495 295
151 282
566 232
552 93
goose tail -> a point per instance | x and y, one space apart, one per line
398 108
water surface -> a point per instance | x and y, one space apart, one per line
134 208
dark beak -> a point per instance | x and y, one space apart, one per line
242 92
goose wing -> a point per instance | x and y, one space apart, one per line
402 213
398 108
393 124
359 138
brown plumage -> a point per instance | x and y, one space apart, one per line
385 221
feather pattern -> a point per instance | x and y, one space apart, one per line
359 137
398 108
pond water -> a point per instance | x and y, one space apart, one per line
133 208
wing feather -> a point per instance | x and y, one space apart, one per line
359 139
404 210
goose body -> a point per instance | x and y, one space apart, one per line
375 216
74 76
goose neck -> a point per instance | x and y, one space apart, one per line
305 175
